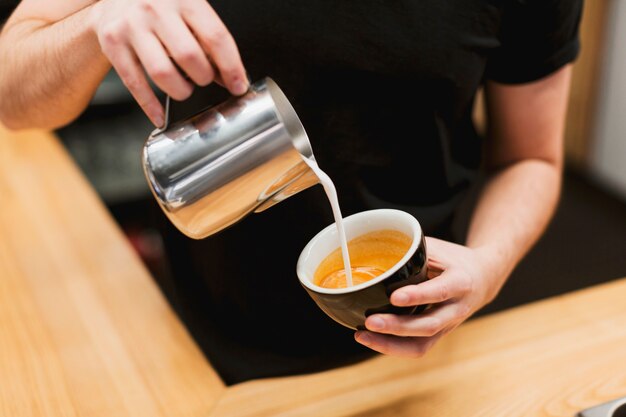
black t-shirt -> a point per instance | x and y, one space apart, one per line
6 8
385 91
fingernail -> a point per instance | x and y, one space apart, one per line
158 120
363 338
400 299
240 88
375 323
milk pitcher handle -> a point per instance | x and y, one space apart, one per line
167 105
166 117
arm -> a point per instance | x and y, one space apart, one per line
55 55
524 155
51 64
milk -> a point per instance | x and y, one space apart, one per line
331 193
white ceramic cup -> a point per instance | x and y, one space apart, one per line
351 306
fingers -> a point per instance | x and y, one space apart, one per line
411 336
430 324
409 347
132 75
166 38
435 268
185 50
218 43
450 284
454 296
159 66
436 245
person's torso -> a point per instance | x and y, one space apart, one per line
384 89
385 92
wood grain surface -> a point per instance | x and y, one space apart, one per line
550 358
84 331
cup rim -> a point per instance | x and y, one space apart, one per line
417 238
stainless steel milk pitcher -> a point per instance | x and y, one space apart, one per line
241 156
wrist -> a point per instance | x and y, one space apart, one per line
496 266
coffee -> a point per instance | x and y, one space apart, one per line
371 254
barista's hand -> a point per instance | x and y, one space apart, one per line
462 281
154 34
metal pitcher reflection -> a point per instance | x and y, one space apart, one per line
242 156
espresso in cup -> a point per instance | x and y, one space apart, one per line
371 255
378 241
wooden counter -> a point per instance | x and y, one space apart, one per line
552 358
84 331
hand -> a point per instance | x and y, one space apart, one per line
462 281
155 35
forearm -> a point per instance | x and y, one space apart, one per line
524 152
49 71
512 212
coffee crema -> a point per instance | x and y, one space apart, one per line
371 254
